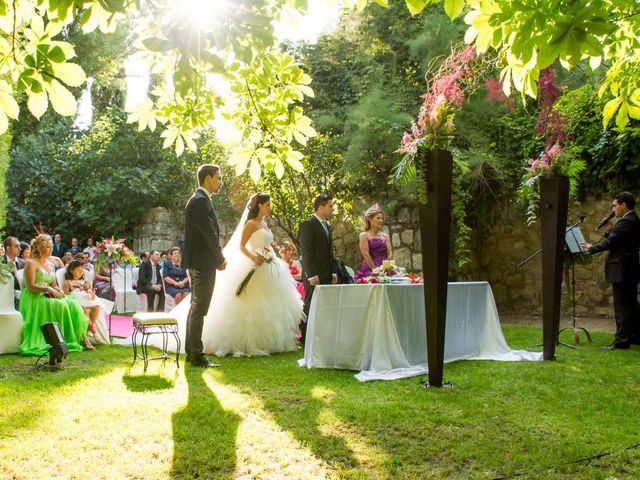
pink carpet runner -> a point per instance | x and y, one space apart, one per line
121 326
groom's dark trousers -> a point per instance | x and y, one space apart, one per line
202 283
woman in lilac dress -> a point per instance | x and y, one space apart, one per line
374 244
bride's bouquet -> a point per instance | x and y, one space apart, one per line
267 256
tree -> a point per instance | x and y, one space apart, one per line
98 183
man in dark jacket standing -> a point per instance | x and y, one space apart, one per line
316 246
622 269
202 256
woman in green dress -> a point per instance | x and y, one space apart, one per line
42 301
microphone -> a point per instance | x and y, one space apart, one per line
605 220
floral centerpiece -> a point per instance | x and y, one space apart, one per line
110 251
388 269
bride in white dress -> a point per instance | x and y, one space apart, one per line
264 318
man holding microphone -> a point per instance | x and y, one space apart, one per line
622 268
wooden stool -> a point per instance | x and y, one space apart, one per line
149 323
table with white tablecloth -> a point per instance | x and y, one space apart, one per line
380 329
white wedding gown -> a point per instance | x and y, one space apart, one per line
263 319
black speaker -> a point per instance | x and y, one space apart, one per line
53 336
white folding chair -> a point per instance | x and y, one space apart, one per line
126 298
169 301
10 319
60 276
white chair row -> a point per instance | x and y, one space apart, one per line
10 320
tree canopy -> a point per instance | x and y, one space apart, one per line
236 40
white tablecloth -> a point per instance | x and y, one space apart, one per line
380 329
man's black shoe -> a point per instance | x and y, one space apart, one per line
204 362
615 346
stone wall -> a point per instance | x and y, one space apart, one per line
496 254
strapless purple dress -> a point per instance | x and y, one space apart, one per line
378 252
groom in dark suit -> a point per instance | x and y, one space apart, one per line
316 246
622 269
202 256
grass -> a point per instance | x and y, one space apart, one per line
268 418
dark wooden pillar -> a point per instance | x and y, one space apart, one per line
435 230
554 202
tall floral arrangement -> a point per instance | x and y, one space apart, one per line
110 251
555 159
452 80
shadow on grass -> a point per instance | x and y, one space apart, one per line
294 405
33 387
146 383
204 434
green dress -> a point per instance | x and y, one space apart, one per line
37 309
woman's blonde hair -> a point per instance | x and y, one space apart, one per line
38 245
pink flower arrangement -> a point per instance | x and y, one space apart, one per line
452 81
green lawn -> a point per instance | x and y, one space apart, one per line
268 418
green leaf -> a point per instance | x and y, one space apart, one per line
70 73
416 6
609 110
8 105
157 44
453 8
56 54
38 104
254 170
622 119
61 99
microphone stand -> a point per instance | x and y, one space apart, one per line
573 284
572 263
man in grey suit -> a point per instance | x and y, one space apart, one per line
622 269
202 256
12 257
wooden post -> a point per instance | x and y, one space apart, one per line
554 202
435 231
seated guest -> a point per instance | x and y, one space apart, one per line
175 277
25 251
102 283
12 257
42 301
149 279
287 251
56 262
79 288
67 257
163 258
84 258
75 248
374 244
344 277
58 247
90 249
